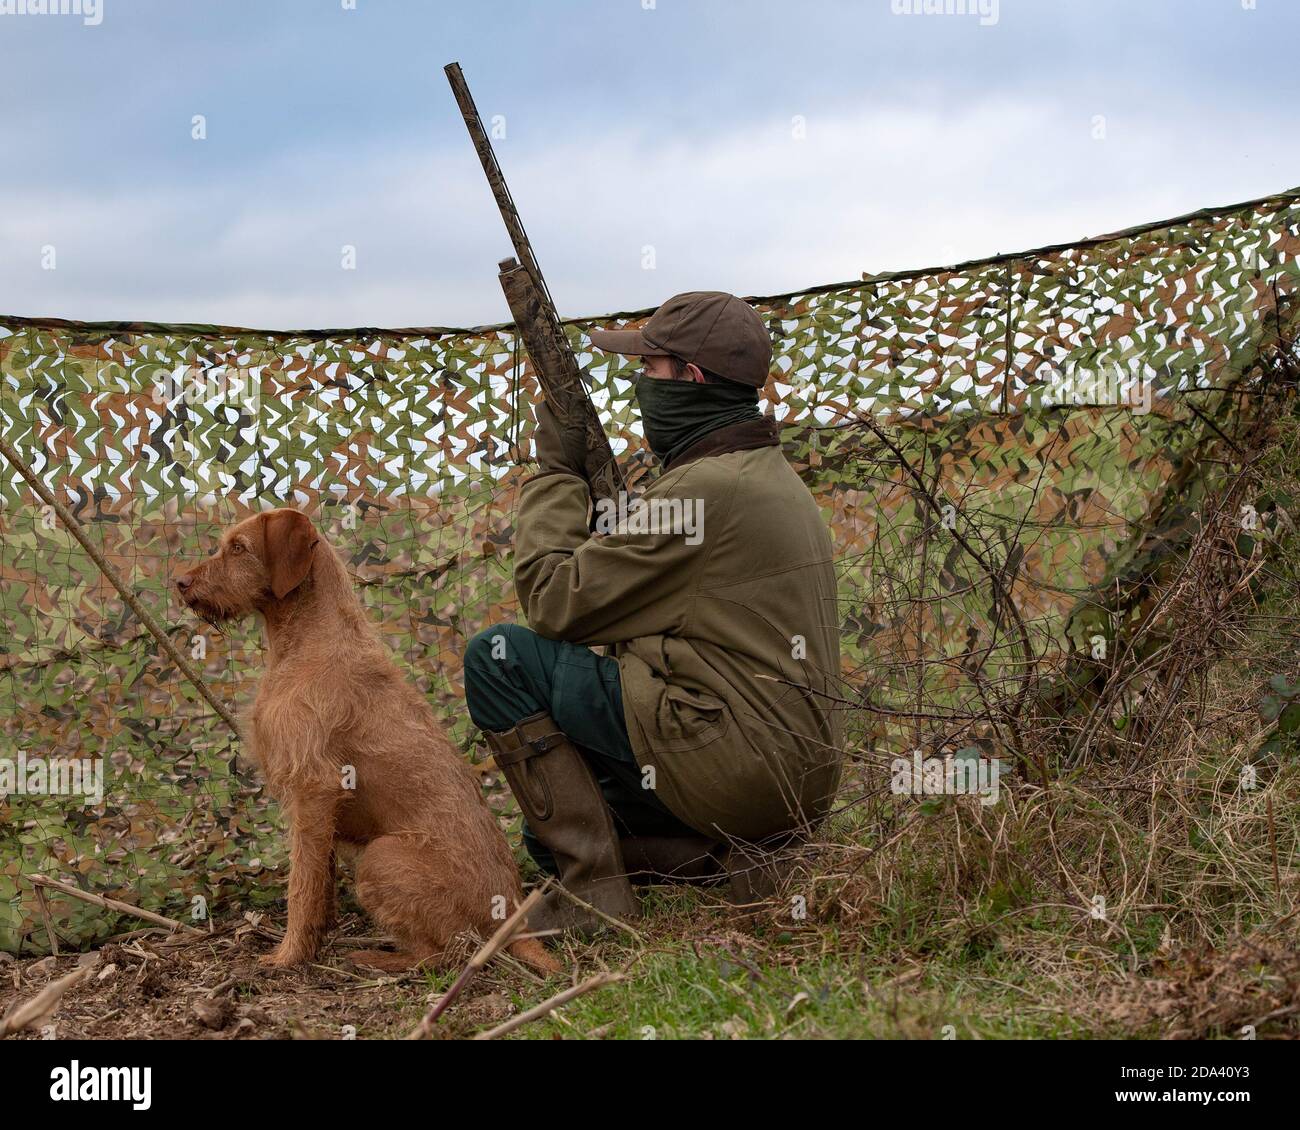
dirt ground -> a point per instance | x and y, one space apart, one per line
154 986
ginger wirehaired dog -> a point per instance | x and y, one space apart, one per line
355 756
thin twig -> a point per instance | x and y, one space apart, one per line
113 904
568 894
538 1011
43 903
503 937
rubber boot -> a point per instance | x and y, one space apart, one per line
755 872
680 859
565 809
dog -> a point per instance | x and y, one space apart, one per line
355 756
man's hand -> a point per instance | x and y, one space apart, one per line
558 448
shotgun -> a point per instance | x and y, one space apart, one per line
535 317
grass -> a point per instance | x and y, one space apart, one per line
700 972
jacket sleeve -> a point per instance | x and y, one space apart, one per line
596 590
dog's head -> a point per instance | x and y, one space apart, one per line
261 560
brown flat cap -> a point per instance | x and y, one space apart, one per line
710 328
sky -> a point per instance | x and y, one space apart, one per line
652 146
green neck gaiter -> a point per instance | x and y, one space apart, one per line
677 413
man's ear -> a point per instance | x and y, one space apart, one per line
289 540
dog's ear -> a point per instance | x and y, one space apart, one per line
290 541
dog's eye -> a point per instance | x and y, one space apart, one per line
235 547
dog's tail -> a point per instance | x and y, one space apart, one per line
533 954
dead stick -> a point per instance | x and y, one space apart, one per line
501 938
1272 838
547 1006
38 1009
113 904
76 529
44 905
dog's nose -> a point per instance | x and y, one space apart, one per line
183 583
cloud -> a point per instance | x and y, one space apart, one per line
754 208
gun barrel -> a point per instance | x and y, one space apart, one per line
536 319
496 179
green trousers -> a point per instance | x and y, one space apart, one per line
511 672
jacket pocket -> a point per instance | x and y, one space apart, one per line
689 719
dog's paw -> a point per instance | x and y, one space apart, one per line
284 957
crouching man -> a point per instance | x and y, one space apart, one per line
709 722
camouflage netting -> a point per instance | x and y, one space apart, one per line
401 443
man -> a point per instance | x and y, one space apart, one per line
711 722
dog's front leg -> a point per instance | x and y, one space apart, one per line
332 898
311 878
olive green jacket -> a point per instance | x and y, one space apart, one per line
727 648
